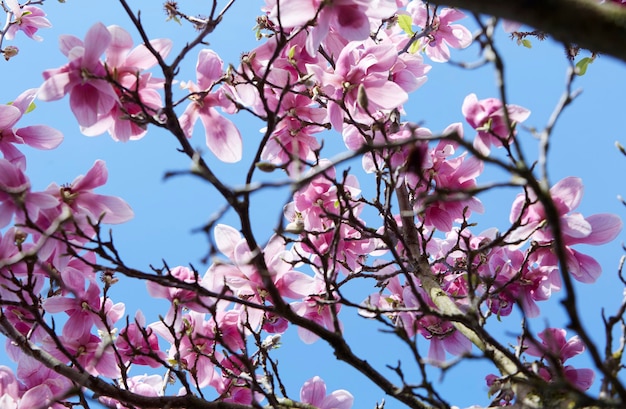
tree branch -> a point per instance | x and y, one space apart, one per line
597 27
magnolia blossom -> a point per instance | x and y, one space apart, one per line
87 205
554 345
98 105
16 197
313 392
28 19
360 81
441 32
487 117
349 19
575 228
144 385
35 136
127 68
82 77
222 136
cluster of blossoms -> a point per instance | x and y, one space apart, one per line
26 18
346 66
552 351
114 95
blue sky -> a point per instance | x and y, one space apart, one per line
167 211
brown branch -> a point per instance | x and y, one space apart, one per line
596 27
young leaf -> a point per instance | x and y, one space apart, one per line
581 66
406 23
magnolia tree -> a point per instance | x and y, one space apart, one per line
404 253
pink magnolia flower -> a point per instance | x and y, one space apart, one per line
243 280
454 176
317 306
554 345
441 334
349 19
144 385
82 77
40 384
87 205
28 19
318 201
16 197
9 388
441 32
83 307
196 351
93 353
575 228
313 392
126 66
360 81
222 136
35 136
179 297
138 343
293 142
487 117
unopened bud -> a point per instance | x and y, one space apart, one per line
295 227
265 166
10 51
362 97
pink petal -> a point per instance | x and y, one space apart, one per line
40 136
387 96
97 40
188 119
69 42
572 348
23 101
226 238
222 136
353 23
58 83
37 396
120 45
208 69
87 101
517 113
313 391
58 304
438 52
569 191
114 209
9 115
436 352
604 228
142 59
340 399
472 111
580 378
574 225
95 177
457 344
583 268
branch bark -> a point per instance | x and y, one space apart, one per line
596 27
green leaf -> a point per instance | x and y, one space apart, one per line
31 107
291 53
406 23
526 43
581 66
415 47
